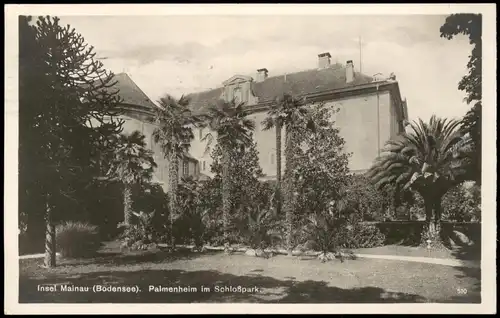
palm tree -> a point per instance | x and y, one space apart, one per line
174 135
288 111
430 160
234 131
274 119
132 163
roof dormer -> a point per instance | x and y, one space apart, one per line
238 88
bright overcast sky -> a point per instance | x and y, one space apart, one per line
182 54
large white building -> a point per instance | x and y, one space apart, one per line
371 112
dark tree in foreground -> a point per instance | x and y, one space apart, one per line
470 25
67 109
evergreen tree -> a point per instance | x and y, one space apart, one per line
67 111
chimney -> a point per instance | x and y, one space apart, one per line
324 60
261 74
349 71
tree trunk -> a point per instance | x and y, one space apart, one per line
50 236
432 229
127 203
289 202
278 167
36 225
226 194
173 178
437 217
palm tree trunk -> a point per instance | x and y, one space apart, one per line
278 167
173 177
127 203
432 229
50 235
437 218
226 194
289 203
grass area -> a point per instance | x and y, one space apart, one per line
280 279
463 253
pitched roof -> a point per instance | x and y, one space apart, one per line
130 92
298 84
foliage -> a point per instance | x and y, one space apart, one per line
291 112
430 161
77 239
340 227
234 133
174 136
325 191
190 226
283 112
142 232
321 169
244 175
248 193
211 204
373 202
470 25
360 235
150 198
323 232
131 162
175 119
462 205
262 232
67 111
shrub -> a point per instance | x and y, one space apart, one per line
77 239
189 228
322 232
340 228
362 236
143 231
461 204
261 230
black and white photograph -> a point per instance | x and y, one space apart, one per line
250 155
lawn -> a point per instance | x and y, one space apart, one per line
278 279
464 253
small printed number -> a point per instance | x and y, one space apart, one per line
462 291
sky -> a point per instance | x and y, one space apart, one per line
183 54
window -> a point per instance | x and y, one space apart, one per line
238 98
185 168
201 133
203 165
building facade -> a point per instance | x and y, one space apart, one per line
371 110
138 114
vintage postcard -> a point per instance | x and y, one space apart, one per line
250 159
